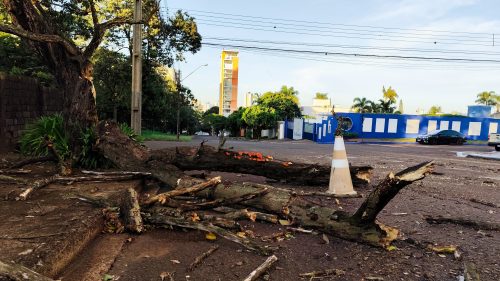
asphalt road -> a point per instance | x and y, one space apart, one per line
358 153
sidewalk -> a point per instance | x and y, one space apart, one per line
493 155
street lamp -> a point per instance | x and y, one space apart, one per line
194 71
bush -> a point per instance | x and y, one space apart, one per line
46 129
50 129
89 158
125 128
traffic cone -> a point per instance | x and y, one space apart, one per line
340 176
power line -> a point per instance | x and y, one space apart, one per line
338 24
348 31
444 51
365 61
342 36
437 59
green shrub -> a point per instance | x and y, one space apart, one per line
46 129
89 157
125 128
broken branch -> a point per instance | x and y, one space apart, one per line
164 197
261 269
201 257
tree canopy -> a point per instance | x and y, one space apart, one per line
321 96
284 102
434 110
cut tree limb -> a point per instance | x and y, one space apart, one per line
224 201
387 189
131 211
261 269
202 257
210 158
164 197
16 272
39 184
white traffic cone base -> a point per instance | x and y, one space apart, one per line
340 176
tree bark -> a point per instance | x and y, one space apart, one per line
15 272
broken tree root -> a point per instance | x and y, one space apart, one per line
197 261
261 269
16 272
477 225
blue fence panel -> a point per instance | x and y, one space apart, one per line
370 125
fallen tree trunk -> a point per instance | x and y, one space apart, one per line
361 227
254 163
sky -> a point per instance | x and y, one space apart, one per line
450 29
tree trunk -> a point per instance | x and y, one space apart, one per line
210 158
73 72
178 121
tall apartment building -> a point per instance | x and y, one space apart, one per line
228 92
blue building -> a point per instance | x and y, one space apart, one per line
390 126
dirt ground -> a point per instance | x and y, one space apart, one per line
53 225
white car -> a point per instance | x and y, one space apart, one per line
494 140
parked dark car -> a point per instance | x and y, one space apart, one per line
442 137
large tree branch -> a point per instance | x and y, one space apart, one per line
46 38
100 31
95 19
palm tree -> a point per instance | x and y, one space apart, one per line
374 107
361 105
390 94
487 98
386 106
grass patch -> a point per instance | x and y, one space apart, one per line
150 135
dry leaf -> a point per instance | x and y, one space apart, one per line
241 234
450 249
195 217
163 275
252 216
284 222
210 236
325 238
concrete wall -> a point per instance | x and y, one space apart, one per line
402 126
22 100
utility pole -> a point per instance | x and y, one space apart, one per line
179 100
136 108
